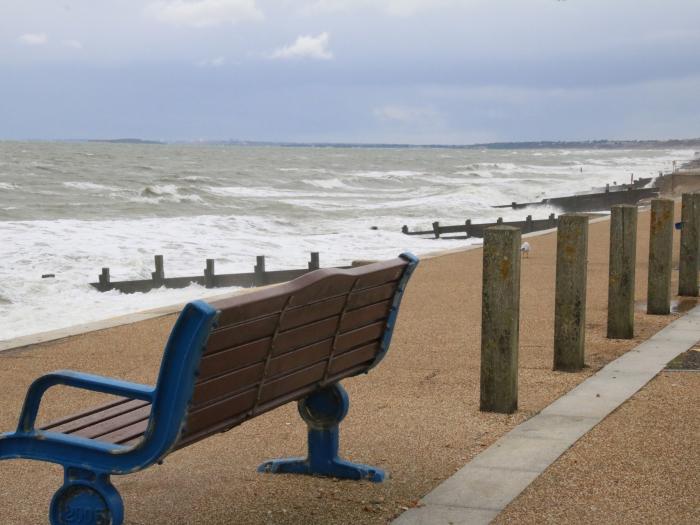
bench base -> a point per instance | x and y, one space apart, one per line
86 497
323 411
323 460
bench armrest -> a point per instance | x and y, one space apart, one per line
94 383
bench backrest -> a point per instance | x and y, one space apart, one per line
279 344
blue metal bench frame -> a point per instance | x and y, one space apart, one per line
88 496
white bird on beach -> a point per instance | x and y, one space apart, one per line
525 249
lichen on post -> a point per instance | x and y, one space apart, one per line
570 295
623 259
660 257
500 318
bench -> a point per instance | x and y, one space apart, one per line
224 363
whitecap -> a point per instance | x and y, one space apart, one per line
89 186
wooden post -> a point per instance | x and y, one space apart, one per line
528 224
623 254
660 257
314 263
688 262
436 229
552 219
210 274
500 316
104 280
159 275
570 295
499 220
467 227
260 279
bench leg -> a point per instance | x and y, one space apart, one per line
323 411
87 498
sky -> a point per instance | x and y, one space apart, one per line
399 71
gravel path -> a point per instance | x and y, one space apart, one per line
640 465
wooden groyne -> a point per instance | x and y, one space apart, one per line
591 201
209 278
529 225
634 184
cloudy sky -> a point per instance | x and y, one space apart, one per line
417 71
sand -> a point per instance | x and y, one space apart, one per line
416 415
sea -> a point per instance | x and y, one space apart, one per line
71 208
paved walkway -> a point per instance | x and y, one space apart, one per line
478 492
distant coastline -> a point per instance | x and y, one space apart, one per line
692 143
544 144
125 141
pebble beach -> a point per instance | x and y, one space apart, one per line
416 415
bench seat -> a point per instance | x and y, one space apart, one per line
120 422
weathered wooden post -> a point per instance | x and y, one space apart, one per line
210 274
552 219
688 262
314 263
260 278
103 279
436 229
467 227
623 252
570 294
528 224
660 257
500 316
159 275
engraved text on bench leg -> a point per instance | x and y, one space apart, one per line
86 498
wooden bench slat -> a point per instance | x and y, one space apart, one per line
246 332
301 315
220 386
236 381
208 423
103 428
372 295
272 300
365 315
238 402
354 357
94 417
130 433
228 408
233 358
300 357
99 408
341 283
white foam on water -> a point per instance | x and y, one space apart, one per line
256 192
387 175
286 206
76 250
329 184
89 186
